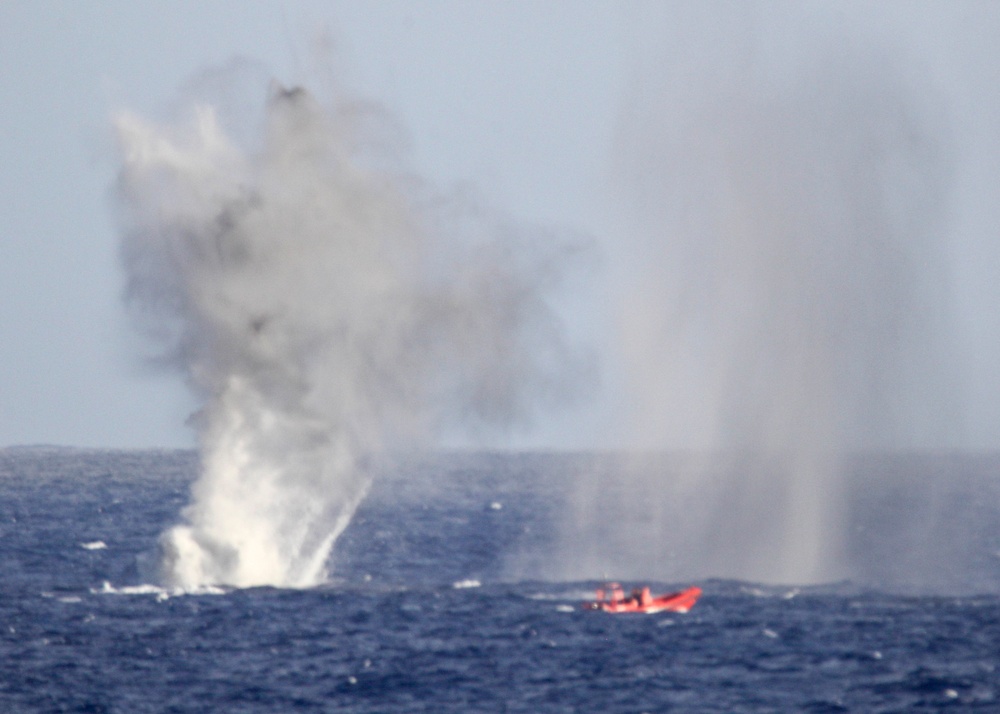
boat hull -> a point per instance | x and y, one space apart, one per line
616 602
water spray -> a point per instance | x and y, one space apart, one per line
327 310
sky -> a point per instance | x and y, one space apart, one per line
531 104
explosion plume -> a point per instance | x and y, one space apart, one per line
327 310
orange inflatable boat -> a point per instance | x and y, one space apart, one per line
612 598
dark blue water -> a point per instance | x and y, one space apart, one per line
404 626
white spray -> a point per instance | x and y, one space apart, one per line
327 310
785 293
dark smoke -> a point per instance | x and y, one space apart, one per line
328 309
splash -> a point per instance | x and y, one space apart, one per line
327 308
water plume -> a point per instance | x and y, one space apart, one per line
327 308
785 298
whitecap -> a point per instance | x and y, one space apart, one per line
94 545
59 598
161 593
467 584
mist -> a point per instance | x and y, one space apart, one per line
327 307
786 296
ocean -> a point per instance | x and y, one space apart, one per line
438 602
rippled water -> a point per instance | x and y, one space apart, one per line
424 616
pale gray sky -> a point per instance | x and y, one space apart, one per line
522 99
